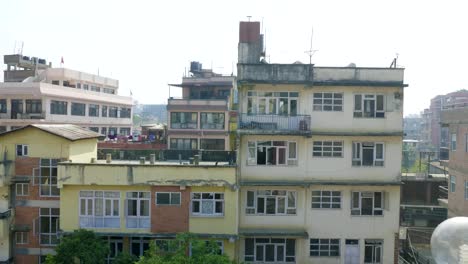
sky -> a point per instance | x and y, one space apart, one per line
148 44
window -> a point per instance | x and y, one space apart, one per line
22 150
78 85
453 181
95 88
115 247
104 130
369 106
125 112
48 177
272 153
168 198
184 120
95 129
85 87
113 111
3 129
184 143
270 250
367 203
326 199
272 103
33 106
59 107
212 120
138 209
453 142
328 149
112 131
216 247
78 109
125 131
466 142
466 190
108 90
212 144
140 245
368 154
3 105
271 202
99 209
373 251
22 189
93 110
49 225
324 247
207 204
56 82
22 237
166 245
104 111
328 102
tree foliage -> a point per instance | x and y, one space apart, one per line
82 246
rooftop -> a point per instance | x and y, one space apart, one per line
70 132
183 163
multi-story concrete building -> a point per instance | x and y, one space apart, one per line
200 119
319 160
28 183
34 91
412 126
456 122
133 203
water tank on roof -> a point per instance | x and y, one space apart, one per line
195 66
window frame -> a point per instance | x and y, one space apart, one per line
290 158
52 213
358 151
263 242
375 245
23 191
359 109
453 141
3 106
189 120
318 150
138 220
453 183
220 117
281 102
58 107
319 245
91 216
170 198
48 188
466 190
24 238
357 210
253 208
33 106
78 109
93 110
23 152
201 201
175 143
320 103
321 201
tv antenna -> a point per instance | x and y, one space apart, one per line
249 17
311 51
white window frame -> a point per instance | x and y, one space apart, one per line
453 183
290 205
138 220
271 100
327 149
377 249
356 209
22 238
141 242
358 149
359 107
22 189
453 141
318 245
202 200
114 243
48 183
326 199
108 218
23 150
50 236
289 148
270 241
334 103
170 198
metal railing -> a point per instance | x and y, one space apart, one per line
274 122
443 192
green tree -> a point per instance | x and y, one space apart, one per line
201 252
80 247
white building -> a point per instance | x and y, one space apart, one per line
320 153
33 92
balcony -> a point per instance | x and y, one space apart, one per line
197 104
274 124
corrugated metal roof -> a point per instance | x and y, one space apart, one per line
67 131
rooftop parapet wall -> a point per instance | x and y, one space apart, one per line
454 116
67 74
300 73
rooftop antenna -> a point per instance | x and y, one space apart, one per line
394 62
249 17
311 51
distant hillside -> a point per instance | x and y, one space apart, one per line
152 113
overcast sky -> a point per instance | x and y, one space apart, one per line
148 44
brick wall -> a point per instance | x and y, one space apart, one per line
26 259
170 218
25 216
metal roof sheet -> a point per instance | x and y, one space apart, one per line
67 131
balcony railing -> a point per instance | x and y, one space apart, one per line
287 123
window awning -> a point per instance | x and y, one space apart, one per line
252 232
